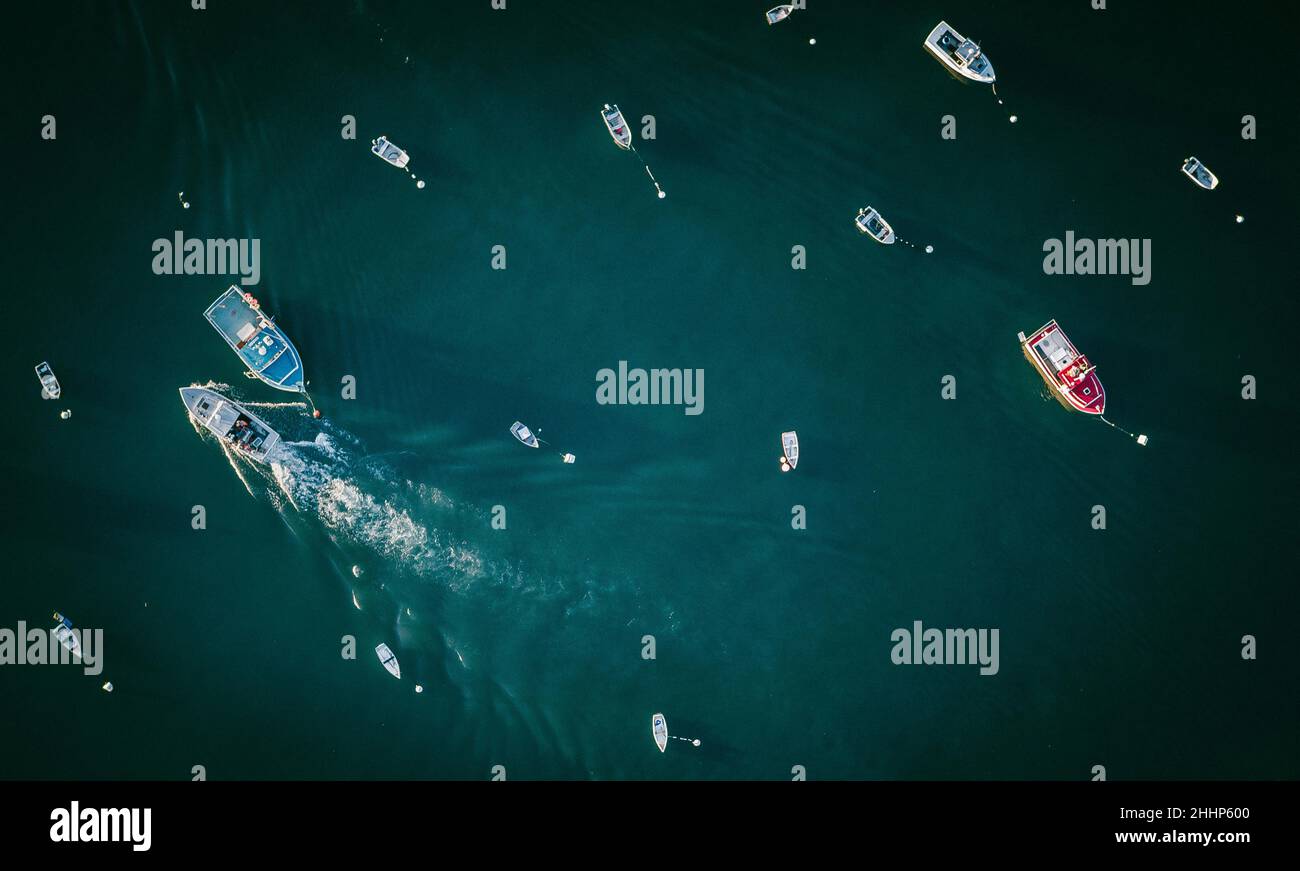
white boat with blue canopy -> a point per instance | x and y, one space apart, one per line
389 153
388 660
255 337
871 222
63 632
50 388
961 56
236 426
1200 173
524 434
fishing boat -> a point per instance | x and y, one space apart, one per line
779 13
229 421
961 56
789 450
389 661
1071 377
254 336
870 222
389 153
50 388
1199 173
617 126
66 636
659 728
524 434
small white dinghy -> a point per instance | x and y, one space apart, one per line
389 661
617 126
779 13
389 153
524 434
50 388
569 458
869 221
66 636
1199 173
789 450
659 728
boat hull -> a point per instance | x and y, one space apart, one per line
984 76
659 729
389 153
257 340
220 415
1086 395
616 124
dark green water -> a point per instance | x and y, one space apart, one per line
1117 647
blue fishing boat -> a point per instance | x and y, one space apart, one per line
254 336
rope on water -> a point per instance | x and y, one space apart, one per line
1140 438
653 180
1014 118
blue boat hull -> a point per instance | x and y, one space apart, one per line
257 340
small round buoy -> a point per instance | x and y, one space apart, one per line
356 571
1240 218
65 414
316 414
186 205
419 689
812 42
420 184
785 467
1014 119
662 195
929 249
696 742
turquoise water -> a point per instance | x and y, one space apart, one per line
1118 647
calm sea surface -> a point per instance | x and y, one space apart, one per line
772 645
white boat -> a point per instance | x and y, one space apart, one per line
1199 173
617 125
960 55
50 388
779 13
789 450
659 728
524 434
389 661
229 421
389 153
869 221
569 458
66 636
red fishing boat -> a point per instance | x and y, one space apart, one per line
1071 376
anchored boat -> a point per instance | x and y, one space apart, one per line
617 126
1070 375
389 153
524 434
230 422
50 388
255 337
1199 173
389 661
789 450
870 222
779 13
961 56
659 728
66 636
